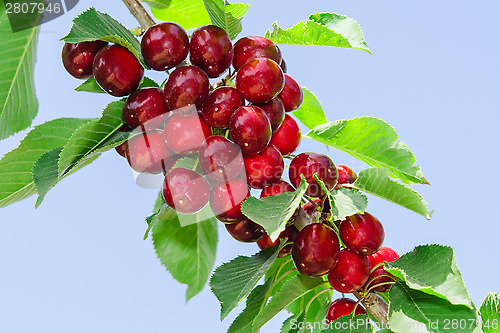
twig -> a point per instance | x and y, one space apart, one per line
376 305
139 13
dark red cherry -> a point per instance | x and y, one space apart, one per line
164 46
385 253
117 70
351 271
122 149
346 175
290 233
260 80
145 107
78 58
226 199
279 186
187 85
291 95
185 190
379 274
211 50
147 152
184 134
283 65
264 168
343 307
315 249
308 164
220 106
275 111
246 231
362 232
250 129
248 48
220 159
287 136
312 206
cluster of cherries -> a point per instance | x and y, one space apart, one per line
238 130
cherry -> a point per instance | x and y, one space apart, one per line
308 164
185 190
346 175
186 85
351 271
383 254
211 50
291 95
122 149
248 48
78 58
117 70
145 107
362 232
287 136
147 152
290 232
343 307
260 80
220 105
283 65
264 168
279 186
250 129
311 207
275 111
246 231
315 249
185 134
220 159
226 199
164 46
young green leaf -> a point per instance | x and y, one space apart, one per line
226 16
187 13
372 141
349 324
490 313
45 173
310 112
91 85
346 202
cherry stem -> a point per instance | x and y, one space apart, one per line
141 15
275 282
377 266
376 277
380 285
316 296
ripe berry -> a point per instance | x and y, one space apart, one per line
343 307
279 186
275 111
287 136
117 70
362 232
211 50
308 164
250 129
185 190
311 207
351 271
291 95
187 85
346 175
315 249
147 152
164 46
249 48
78 58
185 134
264 168
290 233
122 149
383 254
226 199
220 159
220 106
145 107
260 80
246 231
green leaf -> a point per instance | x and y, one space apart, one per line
350 324
18 102
232 281
91 85
273 212
93 25
45 173
159 209
16 180
157 4
490 312
188 252
187 13
310 112
290 324
346 202
324 29
226 16
372 141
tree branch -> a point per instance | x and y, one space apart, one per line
376 305
139 13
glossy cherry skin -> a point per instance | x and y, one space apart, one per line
287 136
185 190
186 134
226 199
250 129
315 250
346 175
245 231
308 164
362 232
164 46
186 85
291 95
117 70
383 254
78 58
264 168
260 80
351 271
147 152
220 106
220 159
279 186
275 111
290 233
145 108
343 307
211 50
249 48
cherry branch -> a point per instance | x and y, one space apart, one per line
142 16
376 305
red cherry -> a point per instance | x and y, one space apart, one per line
226 199
250 129
275 111
260 80
283 65
287 136
185 134
362 232
264 168
308 164
249 48
290 232
388 254
291 95
211 50
351 271
147 152
311 207
185 190
220 106
220 159
145 107
279 186
78 58
246 231
343 307
122 149
186 85
383 254
346 175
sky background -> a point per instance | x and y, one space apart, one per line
79 264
